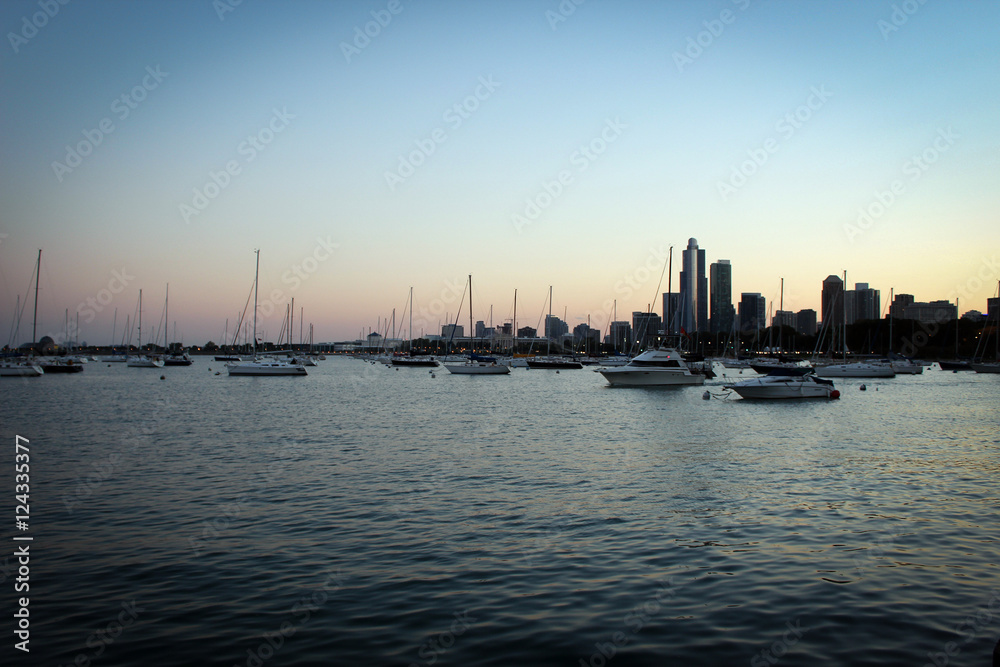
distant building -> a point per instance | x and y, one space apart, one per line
646 327
805 322
973 315
993 308
620 336
932 312
452 331
555 327
899 304
833 301
721 297
671 313
783 318
480 329
694 289
527 332
752 311
867 303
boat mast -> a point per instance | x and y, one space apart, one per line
291 323
513 344
470 316
256 274
890 318
34 318
140 321
409 335
548 328
166 318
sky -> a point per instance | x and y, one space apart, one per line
369 147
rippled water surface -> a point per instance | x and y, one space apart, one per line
365 515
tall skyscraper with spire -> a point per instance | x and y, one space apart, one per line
694 289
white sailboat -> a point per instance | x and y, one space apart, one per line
476 365
260 365
141 360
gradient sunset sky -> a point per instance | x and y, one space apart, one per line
366 147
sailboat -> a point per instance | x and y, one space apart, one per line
46 363
18 366
142 360
411 360
548 361
180 358
994 366
258 365
476 365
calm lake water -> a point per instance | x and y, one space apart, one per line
364 515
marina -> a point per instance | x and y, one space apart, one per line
543 508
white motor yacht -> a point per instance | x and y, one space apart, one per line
785 386
660 367
857 369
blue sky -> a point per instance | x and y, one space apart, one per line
522 143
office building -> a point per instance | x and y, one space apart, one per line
805 322
694 289
646 328
833 302
752 312
721 297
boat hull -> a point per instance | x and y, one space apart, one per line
986 368
420 363
855 371
637 377
477 369
783 387
144 362
21 370
266 369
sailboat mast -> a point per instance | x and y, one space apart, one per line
470 315
256 274
409 334
34 318
291 323
166 317
548 327
513 344
140 320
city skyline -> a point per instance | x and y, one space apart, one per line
367 148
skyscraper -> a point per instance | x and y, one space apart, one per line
646 327
833 301
752 311
721 296
694 289
671 313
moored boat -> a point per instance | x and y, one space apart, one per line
657 367
856 370
785 386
